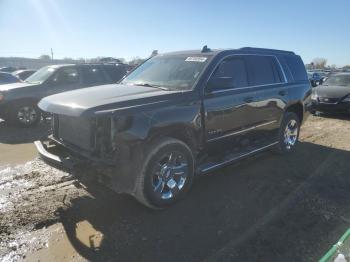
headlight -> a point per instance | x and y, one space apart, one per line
2 97
313 96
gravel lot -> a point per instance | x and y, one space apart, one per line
266 208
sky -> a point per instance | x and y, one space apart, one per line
130 28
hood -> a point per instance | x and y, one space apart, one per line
103 99
8 87
332 91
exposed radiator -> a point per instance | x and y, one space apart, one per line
74 130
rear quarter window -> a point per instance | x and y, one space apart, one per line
296 67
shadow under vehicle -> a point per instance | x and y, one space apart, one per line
265 208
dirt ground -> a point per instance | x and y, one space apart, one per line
265 208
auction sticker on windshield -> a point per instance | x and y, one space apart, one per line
200 59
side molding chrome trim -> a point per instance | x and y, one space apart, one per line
242 131
229 161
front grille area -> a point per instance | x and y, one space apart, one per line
76 131
327 100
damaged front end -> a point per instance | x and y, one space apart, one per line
89 138
89 142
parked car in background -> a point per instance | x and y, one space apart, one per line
315 78
324 76
8 69
180 114
18 101
23 74
333 95
7 78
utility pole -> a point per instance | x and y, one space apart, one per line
51 54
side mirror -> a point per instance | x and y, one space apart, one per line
219 83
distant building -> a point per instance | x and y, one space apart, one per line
32 63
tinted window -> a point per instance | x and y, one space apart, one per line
92 75
234 69
263 70
66 76
296 67
115 72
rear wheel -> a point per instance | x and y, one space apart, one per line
25 115
166 175
289 133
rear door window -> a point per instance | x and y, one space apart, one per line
234 68
67 76
263 70
92 75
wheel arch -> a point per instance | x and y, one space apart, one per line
181 132
298 109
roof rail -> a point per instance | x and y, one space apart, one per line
266 50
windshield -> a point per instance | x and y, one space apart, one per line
338 80
170 72
40 76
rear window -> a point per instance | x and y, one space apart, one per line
296 67
263 70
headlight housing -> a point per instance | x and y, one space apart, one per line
313 96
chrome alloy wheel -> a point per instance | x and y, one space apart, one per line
27 115
291 134
170 175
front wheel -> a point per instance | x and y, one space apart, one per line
289 133
166 175
25 115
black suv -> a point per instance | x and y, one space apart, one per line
18 101
177 115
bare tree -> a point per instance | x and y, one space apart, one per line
122 60
68 59
45 57
319 63
136 61
154 53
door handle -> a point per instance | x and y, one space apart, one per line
248 99
282 92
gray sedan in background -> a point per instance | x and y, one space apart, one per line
333 95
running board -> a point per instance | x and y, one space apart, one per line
208 167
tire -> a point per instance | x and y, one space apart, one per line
288 139
158 185
25 115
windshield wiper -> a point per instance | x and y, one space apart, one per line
149 85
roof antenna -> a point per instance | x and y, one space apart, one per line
205 49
